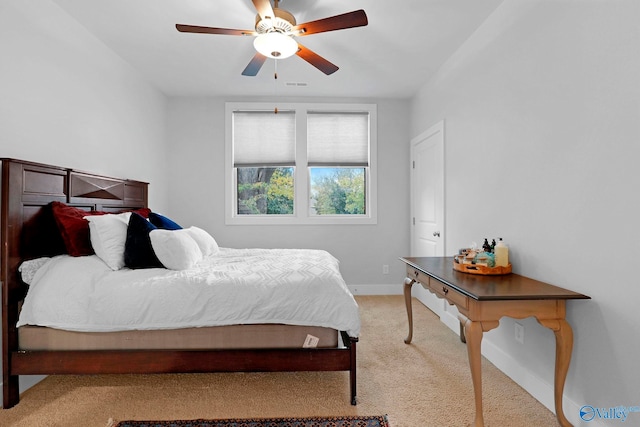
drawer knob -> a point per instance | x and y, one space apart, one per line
445 290
416 273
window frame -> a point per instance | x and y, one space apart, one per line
301 179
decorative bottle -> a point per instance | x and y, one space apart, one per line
485 246
502 254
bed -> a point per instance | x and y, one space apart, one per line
226 343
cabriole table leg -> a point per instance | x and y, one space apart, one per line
408 284
564 347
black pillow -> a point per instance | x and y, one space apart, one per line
163 222
138 252
40 235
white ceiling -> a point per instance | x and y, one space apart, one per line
403 45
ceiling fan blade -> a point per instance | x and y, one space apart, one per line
316 60
264 8
353 19
212 30
254 65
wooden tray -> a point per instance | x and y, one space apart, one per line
481 269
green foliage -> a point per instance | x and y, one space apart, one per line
340 192
280 192
270 191
265 191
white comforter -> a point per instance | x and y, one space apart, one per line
234 286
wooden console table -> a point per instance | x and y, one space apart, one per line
483 300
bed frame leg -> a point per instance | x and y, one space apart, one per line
10 391
352 369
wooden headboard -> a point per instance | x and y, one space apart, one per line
27 232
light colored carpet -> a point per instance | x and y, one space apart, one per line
427 383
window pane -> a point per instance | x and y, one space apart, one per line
265 191
337 191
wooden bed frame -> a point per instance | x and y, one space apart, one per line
27 188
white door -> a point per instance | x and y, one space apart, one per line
427 206
427 192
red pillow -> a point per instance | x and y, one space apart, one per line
143 212
74 229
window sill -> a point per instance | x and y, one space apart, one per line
293 220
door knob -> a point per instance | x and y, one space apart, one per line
436 234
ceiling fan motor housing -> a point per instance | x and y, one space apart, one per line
276 34
283 22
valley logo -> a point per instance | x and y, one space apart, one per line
620 413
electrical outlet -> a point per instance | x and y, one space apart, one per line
385 269
519 332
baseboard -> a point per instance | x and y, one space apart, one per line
393 289
451 321
541 390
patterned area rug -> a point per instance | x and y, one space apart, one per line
369 421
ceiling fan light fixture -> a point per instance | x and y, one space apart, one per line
275 45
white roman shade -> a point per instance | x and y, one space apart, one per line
338 139
264 138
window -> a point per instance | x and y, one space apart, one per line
264 159
338 158
304 164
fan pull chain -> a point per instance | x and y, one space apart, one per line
275 78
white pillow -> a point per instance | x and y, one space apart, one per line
175 249
108 234
205 241
28 269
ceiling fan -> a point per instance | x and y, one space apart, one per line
275 30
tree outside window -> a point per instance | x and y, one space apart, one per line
337 191
265 191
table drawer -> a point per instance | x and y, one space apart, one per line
419 276
438 288
450 294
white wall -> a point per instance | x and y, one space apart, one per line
196 132
542 111
67 100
